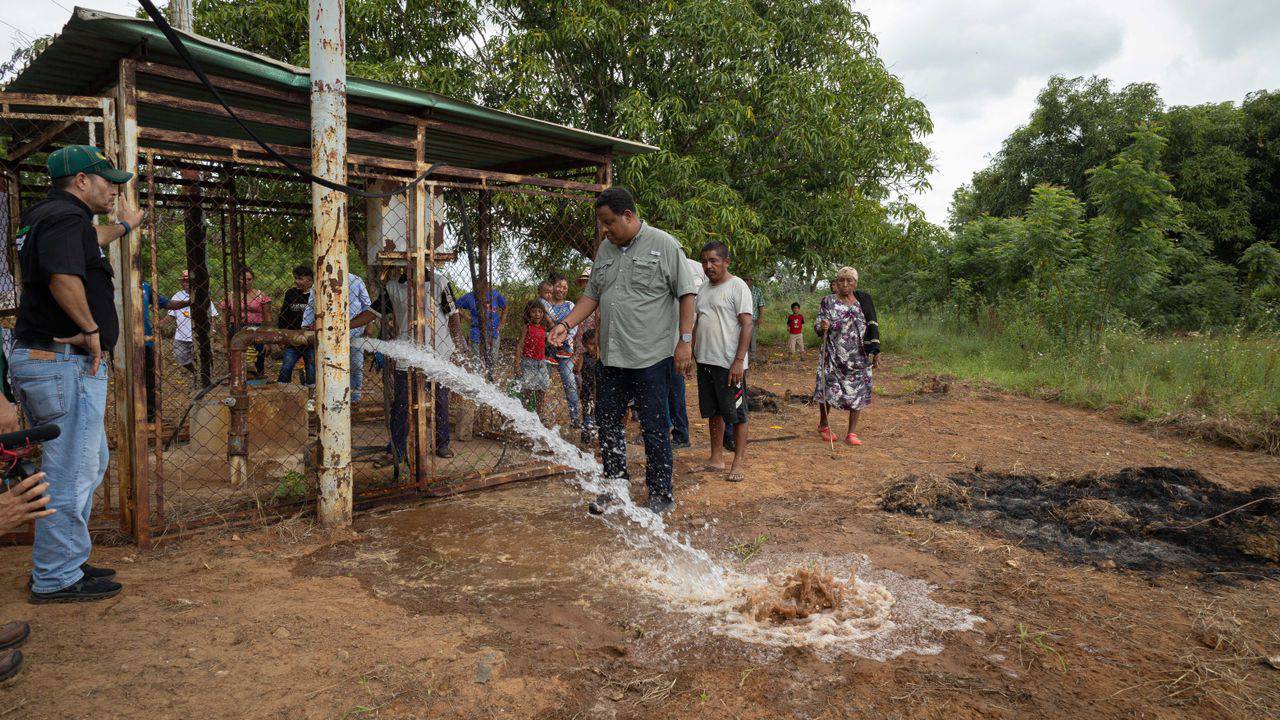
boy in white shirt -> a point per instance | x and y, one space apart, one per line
183 347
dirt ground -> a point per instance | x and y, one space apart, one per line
505 603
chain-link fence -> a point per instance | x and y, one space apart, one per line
31 127
230 250
226 252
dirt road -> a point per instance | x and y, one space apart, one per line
506 603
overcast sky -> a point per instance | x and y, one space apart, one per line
978 64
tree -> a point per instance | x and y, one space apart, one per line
1136 215
781 131
427 44
1078 124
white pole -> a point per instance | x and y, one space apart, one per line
329 221
181 15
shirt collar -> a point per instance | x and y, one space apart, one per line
64 195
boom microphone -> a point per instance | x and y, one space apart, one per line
30 436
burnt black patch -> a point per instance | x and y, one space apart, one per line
1151 518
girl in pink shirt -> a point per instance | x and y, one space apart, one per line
255 311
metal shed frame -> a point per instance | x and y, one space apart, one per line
119 75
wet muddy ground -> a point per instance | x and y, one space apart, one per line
516 603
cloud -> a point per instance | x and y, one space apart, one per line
967 54
1224 28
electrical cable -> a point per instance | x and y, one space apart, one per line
179 47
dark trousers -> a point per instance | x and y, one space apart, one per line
294 353
676 407
400 416
648 389
149 369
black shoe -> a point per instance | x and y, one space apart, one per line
96 572
601 503
659 504
83 590
444 452
10 664
680 445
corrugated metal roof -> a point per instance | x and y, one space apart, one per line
83 60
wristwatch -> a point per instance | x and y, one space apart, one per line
686 337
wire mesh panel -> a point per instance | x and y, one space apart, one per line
32 127
494 243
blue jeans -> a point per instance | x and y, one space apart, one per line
294 353
60 390
357 373
647 387
676 407
570 383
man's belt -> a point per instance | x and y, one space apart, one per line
64 348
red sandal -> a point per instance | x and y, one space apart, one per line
852 439
826 434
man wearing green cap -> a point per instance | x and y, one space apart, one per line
66 321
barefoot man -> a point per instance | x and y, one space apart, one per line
721 345
644 290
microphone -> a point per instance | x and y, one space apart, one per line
30 436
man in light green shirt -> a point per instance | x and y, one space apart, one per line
645 291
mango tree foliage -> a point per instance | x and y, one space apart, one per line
780 130
1136 215
1078 124
427 44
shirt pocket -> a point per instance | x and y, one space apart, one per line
647 273
41 397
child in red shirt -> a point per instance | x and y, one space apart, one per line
795 331
531 365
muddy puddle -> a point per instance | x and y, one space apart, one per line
1151 519
530 561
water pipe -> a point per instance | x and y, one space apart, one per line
238 398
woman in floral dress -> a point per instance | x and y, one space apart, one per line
844 365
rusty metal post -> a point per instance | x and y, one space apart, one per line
329 213
126 256
421 316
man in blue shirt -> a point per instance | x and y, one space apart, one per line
496 311
149 346
360 311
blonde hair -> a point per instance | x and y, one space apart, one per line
849 270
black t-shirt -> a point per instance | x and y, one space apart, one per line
59 239
295 301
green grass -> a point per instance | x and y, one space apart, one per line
1223 387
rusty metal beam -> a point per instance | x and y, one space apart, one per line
450 128
251 147
266 118
514 179
8 99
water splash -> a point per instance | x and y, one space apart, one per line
691 570
894 613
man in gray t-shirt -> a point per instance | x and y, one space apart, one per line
722 338
644 290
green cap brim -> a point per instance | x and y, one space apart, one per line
119 177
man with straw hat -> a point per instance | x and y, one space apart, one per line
66 322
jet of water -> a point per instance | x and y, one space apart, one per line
693 570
